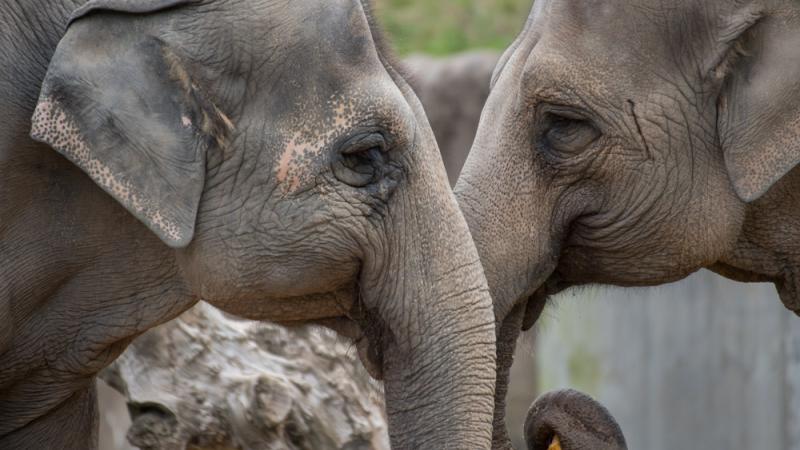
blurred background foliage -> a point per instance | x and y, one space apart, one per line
442 27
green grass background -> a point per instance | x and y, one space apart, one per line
442 27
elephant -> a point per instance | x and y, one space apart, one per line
631 144
453 91
264 156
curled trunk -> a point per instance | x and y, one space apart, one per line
570 420
559 420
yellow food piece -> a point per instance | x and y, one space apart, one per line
555 445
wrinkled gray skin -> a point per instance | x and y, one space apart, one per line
453 91
261 155
632 143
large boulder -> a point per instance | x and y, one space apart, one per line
209 381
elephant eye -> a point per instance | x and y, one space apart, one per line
360 160
568 134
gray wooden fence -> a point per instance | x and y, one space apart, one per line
706 363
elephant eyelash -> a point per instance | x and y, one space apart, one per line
563 131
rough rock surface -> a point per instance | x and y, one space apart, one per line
209 381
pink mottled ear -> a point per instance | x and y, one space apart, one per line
120 105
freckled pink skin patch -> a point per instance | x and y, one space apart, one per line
50 124
295 164
312 135
289 169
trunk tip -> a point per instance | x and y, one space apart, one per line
571 420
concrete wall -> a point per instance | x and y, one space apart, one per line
704 363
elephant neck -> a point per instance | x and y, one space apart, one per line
72 425
768 248
30 33
80 279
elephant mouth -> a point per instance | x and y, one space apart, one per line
366 338
371 357
535 304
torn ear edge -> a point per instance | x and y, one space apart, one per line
213 123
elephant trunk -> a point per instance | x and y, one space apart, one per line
507 253
439 348
507 334
561 420
520 261
570 420
439 381
438 338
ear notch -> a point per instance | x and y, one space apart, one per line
122 106
758 70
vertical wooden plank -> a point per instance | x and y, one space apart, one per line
792 355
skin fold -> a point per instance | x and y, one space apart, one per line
261 155
633 143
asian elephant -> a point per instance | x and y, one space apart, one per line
453 91
262 155
632 143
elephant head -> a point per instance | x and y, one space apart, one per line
273 147
634 142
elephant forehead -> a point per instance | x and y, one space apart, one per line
623 33
334 33
552 75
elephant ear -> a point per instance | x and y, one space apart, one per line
120 104
759 107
